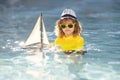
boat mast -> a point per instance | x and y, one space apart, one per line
41 30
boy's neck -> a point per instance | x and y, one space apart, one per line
68 35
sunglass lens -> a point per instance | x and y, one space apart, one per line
70 26
63 26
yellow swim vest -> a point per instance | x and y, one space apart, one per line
70 43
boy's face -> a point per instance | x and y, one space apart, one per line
68 27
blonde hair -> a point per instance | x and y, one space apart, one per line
77 29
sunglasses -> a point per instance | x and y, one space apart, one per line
67 25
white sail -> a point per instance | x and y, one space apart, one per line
35 36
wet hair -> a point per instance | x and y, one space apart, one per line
59 32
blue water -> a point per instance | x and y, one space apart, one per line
101 31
